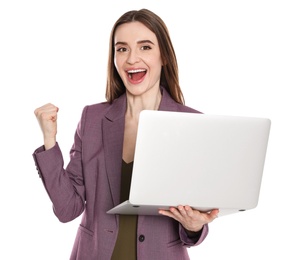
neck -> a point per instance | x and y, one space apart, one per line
149 101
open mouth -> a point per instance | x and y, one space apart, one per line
136 75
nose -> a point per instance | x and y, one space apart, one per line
133 57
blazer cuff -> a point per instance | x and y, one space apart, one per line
42 158
195 240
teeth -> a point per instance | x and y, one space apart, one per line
136 71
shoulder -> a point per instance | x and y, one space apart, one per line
112 111
91 117
96 110
184 108
169 104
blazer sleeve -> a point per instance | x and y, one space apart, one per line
65 186
187 241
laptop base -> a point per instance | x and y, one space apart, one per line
126 208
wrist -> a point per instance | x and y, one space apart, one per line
49 143
192 234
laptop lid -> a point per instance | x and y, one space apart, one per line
205 161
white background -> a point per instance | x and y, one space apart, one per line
235 58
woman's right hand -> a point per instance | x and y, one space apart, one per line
47 118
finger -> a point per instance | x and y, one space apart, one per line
47 108
189 211
182 210
49 114
214 213
172 212
168 213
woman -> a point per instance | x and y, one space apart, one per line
142 74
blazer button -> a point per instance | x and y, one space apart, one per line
141 238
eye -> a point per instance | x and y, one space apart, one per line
146 47
121 49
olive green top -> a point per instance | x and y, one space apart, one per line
125 248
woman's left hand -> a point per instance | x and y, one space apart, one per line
191 219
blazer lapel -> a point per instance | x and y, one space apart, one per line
113 135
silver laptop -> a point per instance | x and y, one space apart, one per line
205 161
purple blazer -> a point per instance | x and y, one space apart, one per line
90 184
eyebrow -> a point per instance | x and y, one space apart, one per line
139 42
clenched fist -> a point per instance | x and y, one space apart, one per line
47 118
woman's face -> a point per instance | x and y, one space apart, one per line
137 58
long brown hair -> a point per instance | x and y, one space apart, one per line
169 75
